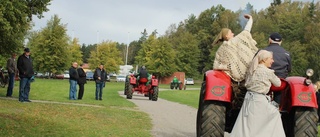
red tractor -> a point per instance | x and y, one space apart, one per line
298 105
143 87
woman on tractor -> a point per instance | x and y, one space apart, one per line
258 117
233 57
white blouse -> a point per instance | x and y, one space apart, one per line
261 80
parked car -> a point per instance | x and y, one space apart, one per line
108 78
42 75
189 81
66 74
58 76
89 75
121 78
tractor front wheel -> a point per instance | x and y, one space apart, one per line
155 93
305 122
130 92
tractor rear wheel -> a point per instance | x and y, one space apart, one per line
171 85
2 84
212 119
130 92
305 122
210 116
155 93
126 86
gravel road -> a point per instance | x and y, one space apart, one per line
169 119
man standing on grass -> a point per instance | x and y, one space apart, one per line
12 70
100 79
26 73
73 81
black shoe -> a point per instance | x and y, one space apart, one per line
27 100
100 98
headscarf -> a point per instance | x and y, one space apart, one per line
261 56
221 36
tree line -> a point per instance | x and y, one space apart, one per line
188 45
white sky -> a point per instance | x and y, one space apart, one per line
123 20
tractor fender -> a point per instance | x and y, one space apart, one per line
154 82
133 80
218 86
301 94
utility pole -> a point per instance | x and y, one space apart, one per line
127 49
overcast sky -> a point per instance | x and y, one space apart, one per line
121 21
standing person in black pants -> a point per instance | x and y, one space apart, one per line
82 80
12 70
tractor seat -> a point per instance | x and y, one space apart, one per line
143 80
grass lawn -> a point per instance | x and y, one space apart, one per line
114 116
187 97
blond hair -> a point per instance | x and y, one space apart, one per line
261 56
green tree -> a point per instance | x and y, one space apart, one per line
107 54
15 20
161 61
145 52
186 51
75 51
86 50
50 47
135 46
123 51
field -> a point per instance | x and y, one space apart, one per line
52 114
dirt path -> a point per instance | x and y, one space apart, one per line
169 119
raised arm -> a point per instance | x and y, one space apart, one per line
249 23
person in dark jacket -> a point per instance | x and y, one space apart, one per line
318 102
12 71
282 61
74 77
143 73
25 67
100 79
317 91
82 80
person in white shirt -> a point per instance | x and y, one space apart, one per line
258 117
